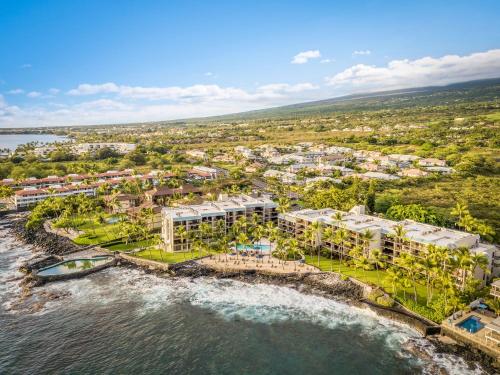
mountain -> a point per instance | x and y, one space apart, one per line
481 90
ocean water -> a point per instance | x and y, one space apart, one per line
11 141
124 321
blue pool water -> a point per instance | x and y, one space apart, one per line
472 324
113 220
71 266
255 247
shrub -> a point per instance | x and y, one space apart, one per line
385 301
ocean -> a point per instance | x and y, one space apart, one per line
126 321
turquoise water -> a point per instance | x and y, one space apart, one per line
72 266
472 324
255 247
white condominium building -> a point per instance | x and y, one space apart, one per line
417 236
225 210
30 196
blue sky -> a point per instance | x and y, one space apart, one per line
86 62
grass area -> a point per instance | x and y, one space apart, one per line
167 257
130 246
493 116
368 277
95 233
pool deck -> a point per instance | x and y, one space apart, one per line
266 264
476 339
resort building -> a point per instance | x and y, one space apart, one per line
225 210
207 173
120 148
119 203
31 196
495 289
197 154
417 236
161 194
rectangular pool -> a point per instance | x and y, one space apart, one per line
472 324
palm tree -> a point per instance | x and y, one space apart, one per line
181 232
409 264
293 246
316 228
463 261
258 232
478 261
377 258
399 237
366 238
206 233
394 275
242 239
460 211
329 236
341 236
363 263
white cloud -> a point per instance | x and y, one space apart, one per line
33 94
362 52
88 89
190 93
16 92
427 71
327 61
53 91
209 74
25 66
304 57
137 104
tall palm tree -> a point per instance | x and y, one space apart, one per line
329 236
462 260
258 232
399 237
366 238
394 276
316 232
340 240
378 258
181 232
206 233
409 264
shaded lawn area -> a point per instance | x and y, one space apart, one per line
167 257
130 246
96 233
368 277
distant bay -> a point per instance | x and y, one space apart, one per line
12 141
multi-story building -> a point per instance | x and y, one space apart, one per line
417 236
31 196
226 210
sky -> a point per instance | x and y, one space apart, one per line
104 61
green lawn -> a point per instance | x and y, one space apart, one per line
167 257
368 277
95 233
130 246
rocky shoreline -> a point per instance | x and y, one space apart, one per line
322 284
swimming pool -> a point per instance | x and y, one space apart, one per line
254 247
112 220
472 324
73 266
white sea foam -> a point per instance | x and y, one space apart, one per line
229 299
